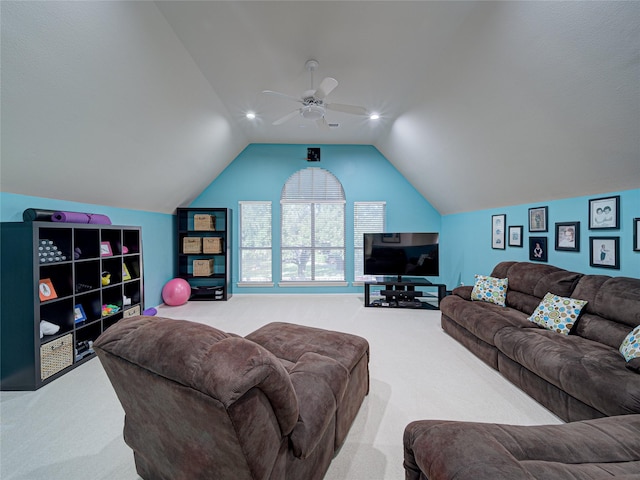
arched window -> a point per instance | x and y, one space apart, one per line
313 224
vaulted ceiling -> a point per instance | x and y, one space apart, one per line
483 104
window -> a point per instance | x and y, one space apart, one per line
313 241
368 217
255 242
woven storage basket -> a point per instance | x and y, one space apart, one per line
202 268
204 222
191 245
55 356
212 245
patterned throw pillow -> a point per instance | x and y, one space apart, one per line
490 289
557 313
630 347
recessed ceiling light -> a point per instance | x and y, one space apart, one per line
251 115
374 116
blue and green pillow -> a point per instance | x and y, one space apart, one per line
557 313
490 289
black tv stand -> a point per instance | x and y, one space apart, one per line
398 293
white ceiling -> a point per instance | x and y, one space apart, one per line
484 104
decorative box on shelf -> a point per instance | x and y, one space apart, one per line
212 245
204 222
56 355
191 245
202 268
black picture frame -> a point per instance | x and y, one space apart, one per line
498 231
568 236
538 219
636 234
604 213
604 252
538 249
515 235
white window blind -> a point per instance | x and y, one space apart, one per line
313 240
368 217
256 252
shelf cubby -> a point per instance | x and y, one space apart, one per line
72 268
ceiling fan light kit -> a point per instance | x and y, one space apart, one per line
313 105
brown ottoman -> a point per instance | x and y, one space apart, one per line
289 342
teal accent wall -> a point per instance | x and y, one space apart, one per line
158 237
467 237
260 171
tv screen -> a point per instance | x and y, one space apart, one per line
409 254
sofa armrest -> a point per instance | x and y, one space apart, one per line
319 383
463 291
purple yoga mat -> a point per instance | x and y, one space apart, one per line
77 217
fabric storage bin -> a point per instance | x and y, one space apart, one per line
131 312
191 245
202 268
56 355
212 245
204 222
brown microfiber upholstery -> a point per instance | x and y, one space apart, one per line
588 450
201 404
290 341
578 376
319 383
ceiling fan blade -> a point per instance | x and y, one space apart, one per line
352 109
326 87
286 118
322 124
283 95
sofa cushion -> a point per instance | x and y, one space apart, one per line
612 309
490 289
529 282
630 347
319 383
482 319
557 313
634 365
589 371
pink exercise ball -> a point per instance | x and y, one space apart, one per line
176 292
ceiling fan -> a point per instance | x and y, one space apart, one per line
313 102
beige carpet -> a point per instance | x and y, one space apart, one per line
72 428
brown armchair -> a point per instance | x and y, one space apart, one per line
202 404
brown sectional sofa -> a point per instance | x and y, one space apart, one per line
202 404
581 377
577 376
597 449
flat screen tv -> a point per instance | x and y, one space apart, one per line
402 254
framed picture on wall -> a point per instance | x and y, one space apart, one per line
604 252
568 236
604 213
538 219
538 249
498 227
515 236
636 234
